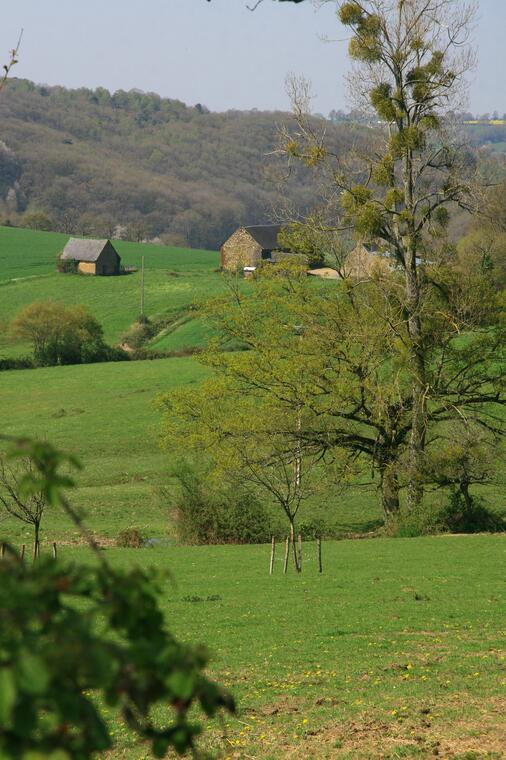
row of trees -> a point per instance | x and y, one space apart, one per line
403 372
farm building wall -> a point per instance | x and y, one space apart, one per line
363 264
240 251
86 267
108 262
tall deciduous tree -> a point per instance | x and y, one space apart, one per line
410 60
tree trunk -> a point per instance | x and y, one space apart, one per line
293 540
468 499
389 490
418 381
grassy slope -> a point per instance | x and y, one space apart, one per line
176 278
397 650
106 415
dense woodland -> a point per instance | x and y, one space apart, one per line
86 162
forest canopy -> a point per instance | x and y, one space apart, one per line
85 161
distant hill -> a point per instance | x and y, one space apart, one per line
91 160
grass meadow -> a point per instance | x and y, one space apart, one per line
395 651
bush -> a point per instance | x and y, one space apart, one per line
459 517
455 516
130 538
204 516
314 528
66 266
138 334
22 362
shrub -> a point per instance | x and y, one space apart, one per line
66 266
138 334
474 517
314 528
202 515
455 516
22 362
130 538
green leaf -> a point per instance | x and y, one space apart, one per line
33 673
8 695
182 684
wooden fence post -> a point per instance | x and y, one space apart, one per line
300 552
287 553
319 548
2 551
273 551
23 547
54 550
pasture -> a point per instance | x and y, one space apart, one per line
106 415
396 651
176 279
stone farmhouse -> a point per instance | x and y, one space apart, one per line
365 261
96 257
249 246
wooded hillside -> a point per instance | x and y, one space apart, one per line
91 161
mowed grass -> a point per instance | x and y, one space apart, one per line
175 280
397 650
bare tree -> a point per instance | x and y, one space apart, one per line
28 508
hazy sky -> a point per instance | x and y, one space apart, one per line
218 53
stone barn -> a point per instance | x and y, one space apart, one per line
98 257
366 261
249 246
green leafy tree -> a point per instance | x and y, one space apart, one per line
410 61
58 334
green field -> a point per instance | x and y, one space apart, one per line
396 651
176 279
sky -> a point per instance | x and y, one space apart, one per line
216 53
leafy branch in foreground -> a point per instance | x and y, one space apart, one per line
73 637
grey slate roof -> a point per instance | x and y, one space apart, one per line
265 235
83 250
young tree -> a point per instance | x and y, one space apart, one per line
29 508
251 441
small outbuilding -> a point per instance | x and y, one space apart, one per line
97 257
249 246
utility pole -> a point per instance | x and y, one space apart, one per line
142 287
